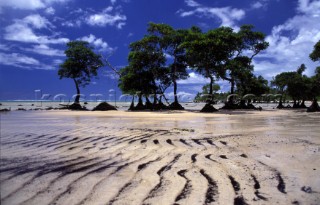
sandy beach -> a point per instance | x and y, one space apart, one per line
181 157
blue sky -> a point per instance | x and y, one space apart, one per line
34 34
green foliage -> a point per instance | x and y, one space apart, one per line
315 55
170 42
218 53
249 43
205 94
315 83
296 85
280 81
315 80
134 80
259 86
145 69
247 83
208 52
301 69
81 64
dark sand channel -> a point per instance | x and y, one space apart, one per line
118 157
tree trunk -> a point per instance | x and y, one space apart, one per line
140 99
208 106
302 105
314 107
148 104
77 99
232 86
132 103
154 99
174 80
280 105
211 90
140 105
295 104
175 105
155 93
175 91
230 102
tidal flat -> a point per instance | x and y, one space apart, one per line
180 157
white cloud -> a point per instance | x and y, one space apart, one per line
22 31
50 11
108 9
120 25
292 42
110 74
23 61
43 49
36 21
194 78
78 11
192 3
186 13
57 61
76 23
22 4
4 47
260 4
105 18
257 5
227 16
99 44
168 56
109 16
28 5
115 1
311 7
182 96
17 60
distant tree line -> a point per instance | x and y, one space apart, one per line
298 86
164 55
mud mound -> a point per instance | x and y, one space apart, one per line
208 108
75 106
175 106
104 106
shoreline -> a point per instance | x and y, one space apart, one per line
120 105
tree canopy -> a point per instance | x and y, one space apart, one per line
315 55
146 73
81 64
163 55
170 42
249 43
298 86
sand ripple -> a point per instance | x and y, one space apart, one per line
97 163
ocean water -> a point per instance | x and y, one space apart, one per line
42 105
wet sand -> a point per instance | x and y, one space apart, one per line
118 157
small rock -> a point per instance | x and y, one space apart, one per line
306 189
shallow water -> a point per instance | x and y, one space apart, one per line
14 105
